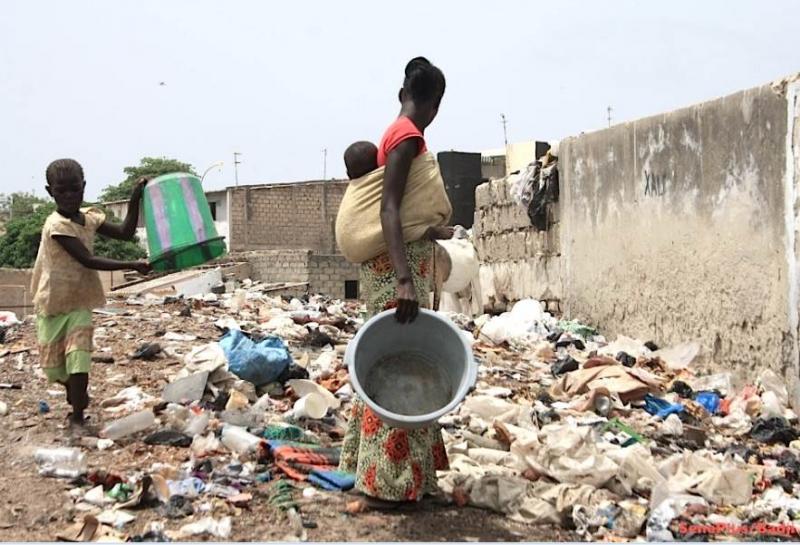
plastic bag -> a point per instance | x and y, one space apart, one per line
770 382
721 382
259 363
526 324
679 356
661 407
672 425
217 528
208 445
709 400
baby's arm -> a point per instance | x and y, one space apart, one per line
126 229
75 248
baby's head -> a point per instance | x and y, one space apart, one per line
360 158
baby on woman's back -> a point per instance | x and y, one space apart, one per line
361 158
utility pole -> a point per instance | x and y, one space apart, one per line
505 132
236 164
609 115
324 163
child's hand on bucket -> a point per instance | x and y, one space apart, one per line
142 267
138 187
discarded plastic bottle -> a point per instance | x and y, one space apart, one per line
63 462
129 425
240 441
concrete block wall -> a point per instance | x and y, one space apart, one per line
15 293
285 216
517 262
328 273
272 266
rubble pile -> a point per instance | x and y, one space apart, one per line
206 406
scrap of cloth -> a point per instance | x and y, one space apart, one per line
359 234
333 480
299 460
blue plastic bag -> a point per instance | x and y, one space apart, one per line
259 363
709 400
661 407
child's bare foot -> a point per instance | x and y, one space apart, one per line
79 424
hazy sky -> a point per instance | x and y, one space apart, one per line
280 81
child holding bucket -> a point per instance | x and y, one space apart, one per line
66 286
393 464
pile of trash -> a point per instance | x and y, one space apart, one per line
614 440
620 439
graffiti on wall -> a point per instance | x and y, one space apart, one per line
654 184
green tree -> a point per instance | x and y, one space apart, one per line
18 204
148 166
123 250
20 243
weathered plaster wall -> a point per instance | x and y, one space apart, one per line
674 228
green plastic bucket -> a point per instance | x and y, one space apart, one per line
180 229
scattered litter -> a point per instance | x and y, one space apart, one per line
147 351
178 337
185 389
178 507
565 365
170 438
61 462
116 518
774 430
129 425
616 440
208 526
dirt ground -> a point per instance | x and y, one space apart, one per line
36 508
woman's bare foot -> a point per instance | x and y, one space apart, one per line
381 505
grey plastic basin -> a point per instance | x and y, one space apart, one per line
431 335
